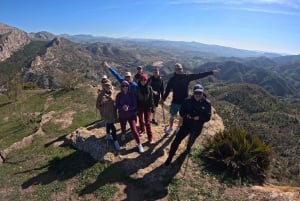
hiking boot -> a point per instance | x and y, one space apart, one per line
117 146
153 121
123 137
109 136
169 131
140 147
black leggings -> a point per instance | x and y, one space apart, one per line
111 127
182 133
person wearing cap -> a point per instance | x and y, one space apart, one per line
145 104
106 105
128 77
136 77
126 107
157 84
104 80
194 112
179 84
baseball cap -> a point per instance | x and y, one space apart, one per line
128 74
139 67
198 88
143 76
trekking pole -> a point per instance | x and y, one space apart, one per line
163 112
186 164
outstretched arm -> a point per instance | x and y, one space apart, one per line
113 72
192 77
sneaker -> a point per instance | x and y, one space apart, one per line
154 122
169 131
117 146
150 141
141 132
140 147
109 136
123 137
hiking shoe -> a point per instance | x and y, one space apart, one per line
117 146
141 132
109 136
123 137
150 141
140 147
153 121
169 131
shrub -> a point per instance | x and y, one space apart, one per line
241 154
29 86
69 81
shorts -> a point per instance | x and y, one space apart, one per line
156 100
174 109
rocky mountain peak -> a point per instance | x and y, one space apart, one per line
11 40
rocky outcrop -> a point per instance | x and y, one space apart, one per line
11 40
92 139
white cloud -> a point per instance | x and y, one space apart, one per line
294 4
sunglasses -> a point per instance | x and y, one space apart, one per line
124 86
198 93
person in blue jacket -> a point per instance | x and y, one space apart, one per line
128 77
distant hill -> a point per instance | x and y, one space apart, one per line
191 47
53 56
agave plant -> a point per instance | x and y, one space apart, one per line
240 153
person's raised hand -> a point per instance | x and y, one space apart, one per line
105 64
216 71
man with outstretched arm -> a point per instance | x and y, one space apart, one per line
179 84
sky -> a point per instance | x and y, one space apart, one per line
262 25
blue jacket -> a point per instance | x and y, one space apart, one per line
132 85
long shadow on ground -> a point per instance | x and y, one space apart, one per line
120 172
60 169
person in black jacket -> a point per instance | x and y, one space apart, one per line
157 84
194 112
145 104
179 84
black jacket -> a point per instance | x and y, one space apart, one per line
157 84
179 84
191 107
144 97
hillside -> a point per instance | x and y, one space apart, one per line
276 121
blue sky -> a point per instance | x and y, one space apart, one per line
264 25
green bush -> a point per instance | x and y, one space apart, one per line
239 153
29 86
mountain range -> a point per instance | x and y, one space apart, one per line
51 56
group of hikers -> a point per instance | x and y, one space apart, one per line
139 98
